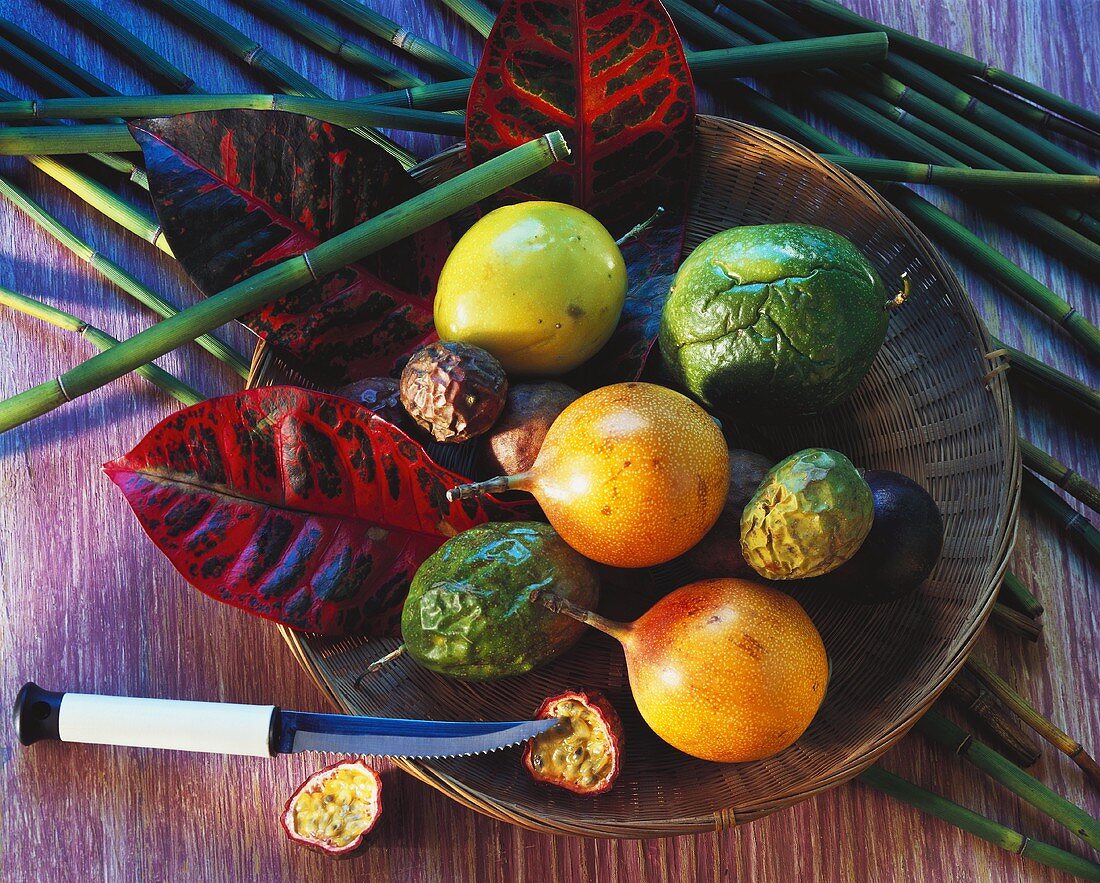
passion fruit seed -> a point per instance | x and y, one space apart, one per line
576 749
334 808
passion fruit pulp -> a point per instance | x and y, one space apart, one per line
334 809
582 752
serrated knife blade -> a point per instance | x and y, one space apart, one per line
261 730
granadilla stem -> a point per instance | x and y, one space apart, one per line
171 384
254 55
270 284
558 604
1012 620
978 825
1056 807
1073 483
116 274
1030 716
975 698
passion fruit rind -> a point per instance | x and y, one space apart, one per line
468 613
335 808
810 514
583 753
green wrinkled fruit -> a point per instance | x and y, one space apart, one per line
810 514
469 612
774 321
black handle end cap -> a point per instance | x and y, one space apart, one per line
36 713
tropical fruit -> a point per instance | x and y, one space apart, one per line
583 752
727 670
773 321
334 809
540 285
809 515
467 614
902 548
630 475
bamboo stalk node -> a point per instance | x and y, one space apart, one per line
1069 315
400 37
64 392
1024 844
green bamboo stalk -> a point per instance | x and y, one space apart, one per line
1028 114
1012 587
938 224
946 59
103 200
1036 372
268 285
37 69
966 105
874 169
1023 709
116 163
701 27
254 55
1073 483
100 339
129 45
993 832
1012 620
76 75
474 13
329 40
788 56
1051 223
451 95
947 733
115 273
132 106
417 47
1068 518
1017 742
53 140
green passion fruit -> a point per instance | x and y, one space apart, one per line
467 614
779 321
810 514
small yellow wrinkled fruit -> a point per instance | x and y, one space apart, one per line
540 285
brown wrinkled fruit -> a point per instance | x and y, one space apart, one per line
719 552
583 752
453 390
334 809
514 442
382 396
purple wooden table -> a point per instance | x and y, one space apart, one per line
88 603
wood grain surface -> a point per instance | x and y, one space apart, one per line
88 603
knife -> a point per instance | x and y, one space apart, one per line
256 730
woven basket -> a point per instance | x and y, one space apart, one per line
931 407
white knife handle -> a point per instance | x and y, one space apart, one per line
216 727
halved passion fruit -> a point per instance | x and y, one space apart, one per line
334 808
584 751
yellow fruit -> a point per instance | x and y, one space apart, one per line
629 475
540 285
727 670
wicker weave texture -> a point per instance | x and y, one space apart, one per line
928 408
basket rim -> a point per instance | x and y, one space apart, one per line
1008 509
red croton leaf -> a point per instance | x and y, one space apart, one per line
238 190
612 76
297 506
